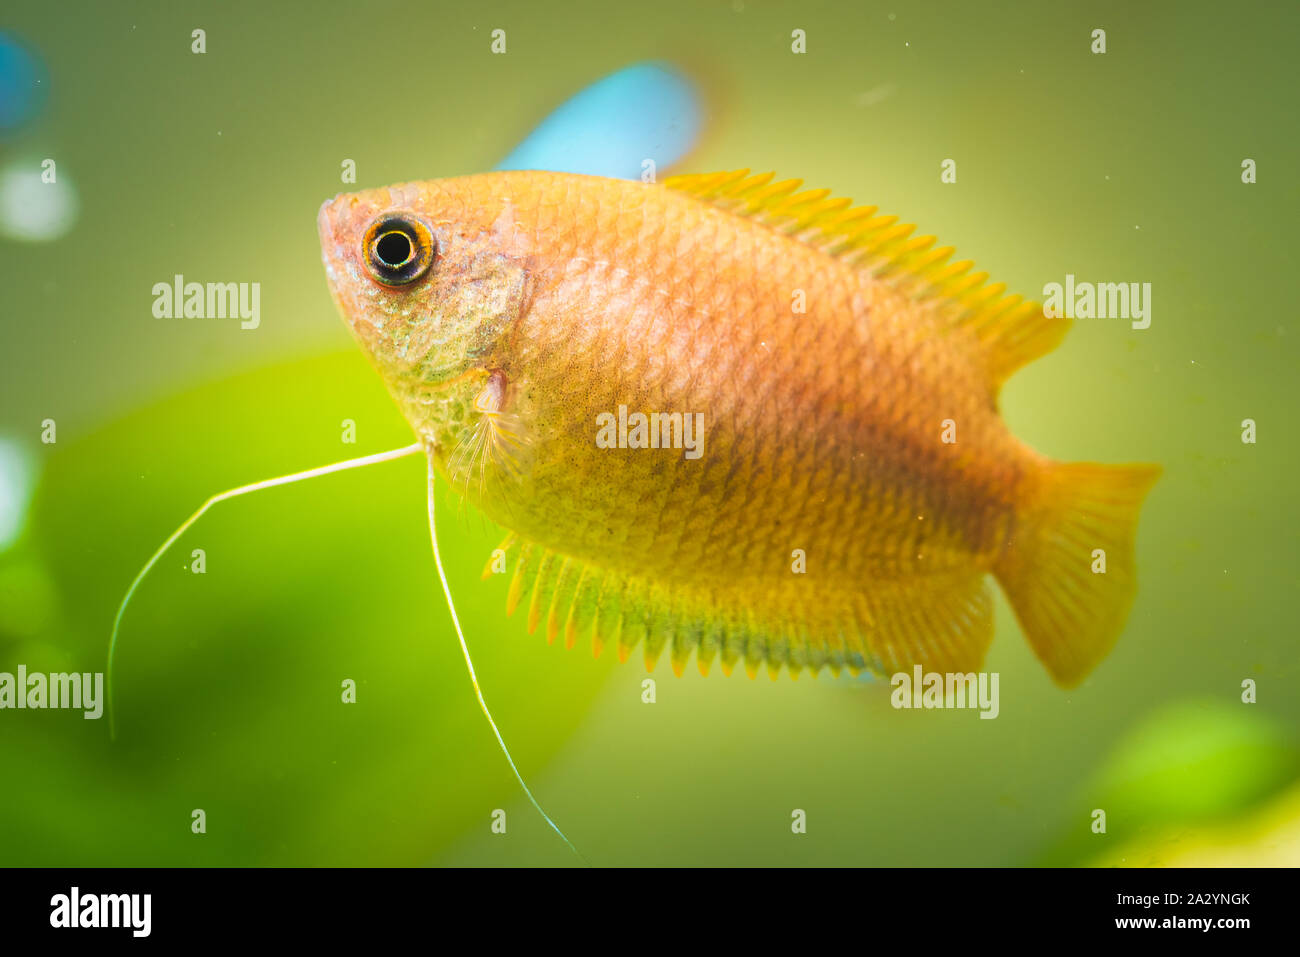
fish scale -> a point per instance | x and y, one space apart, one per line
823 428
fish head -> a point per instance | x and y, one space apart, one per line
428 276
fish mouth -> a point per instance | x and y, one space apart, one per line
336 223
324 225
327 222
338 217
333 254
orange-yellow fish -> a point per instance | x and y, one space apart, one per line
726 417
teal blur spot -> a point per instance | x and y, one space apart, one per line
647 111
22 83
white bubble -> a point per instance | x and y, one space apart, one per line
32 210
17 474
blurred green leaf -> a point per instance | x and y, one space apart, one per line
1188 763
230 682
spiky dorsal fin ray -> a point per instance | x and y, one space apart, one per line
943 622
1010 330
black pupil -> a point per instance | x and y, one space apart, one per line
393 249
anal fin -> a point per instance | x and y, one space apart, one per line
942 622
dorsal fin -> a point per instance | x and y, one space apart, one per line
1011 330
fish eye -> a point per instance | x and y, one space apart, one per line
398 249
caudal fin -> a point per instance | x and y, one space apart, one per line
1081 519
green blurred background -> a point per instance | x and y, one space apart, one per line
1118 167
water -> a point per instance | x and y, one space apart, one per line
1117 167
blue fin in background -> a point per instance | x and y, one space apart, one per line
644 111
23 83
